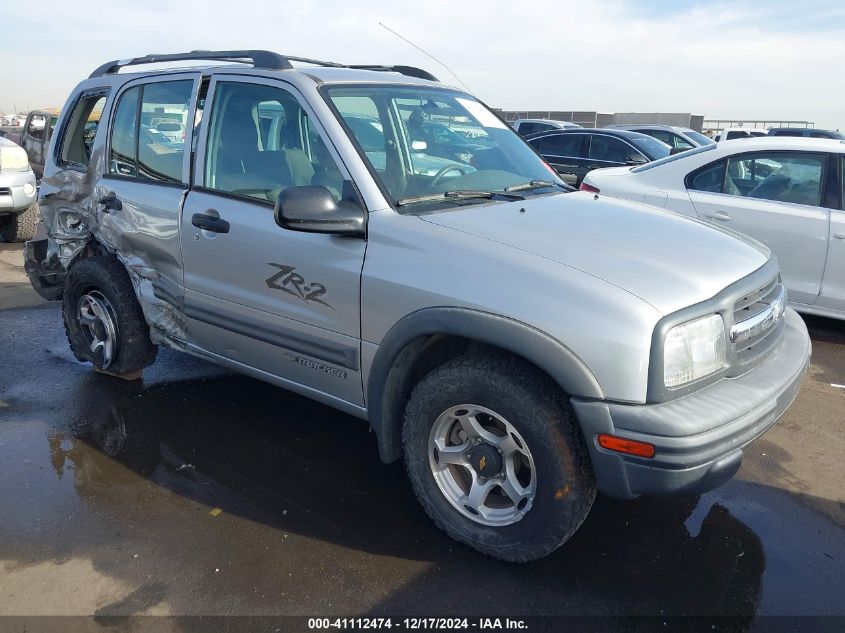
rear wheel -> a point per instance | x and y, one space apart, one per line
496 457
20 227
103 320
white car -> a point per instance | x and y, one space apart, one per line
784 192
733 133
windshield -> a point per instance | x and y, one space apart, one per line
651 147
424 143
699 138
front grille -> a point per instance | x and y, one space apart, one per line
758 322
5 191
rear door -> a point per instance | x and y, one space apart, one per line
567 153
146 177
282 302
775 197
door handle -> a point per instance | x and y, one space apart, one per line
718 215
110 202
209 223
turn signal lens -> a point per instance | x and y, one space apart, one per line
585 187
622 445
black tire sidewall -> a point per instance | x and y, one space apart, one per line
107 276
20 227
565 484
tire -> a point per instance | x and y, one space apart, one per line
99 301
21 227
532 409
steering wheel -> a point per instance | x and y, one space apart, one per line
445 170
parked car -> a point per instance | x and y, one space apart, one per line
679 139
18 210
780 191
173 129
733 133
574 153
519 344
35 136
806 132
525 127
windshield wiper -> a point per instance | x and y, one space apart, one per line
459 194
534 184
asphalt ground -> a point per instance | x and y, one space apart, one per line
197 491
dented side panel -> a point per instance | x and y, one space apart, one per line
143 234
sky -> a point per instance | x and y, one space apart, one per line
777 59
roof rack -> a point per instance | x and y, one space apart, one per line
258 58
410 71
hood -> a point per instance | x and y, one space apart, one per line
668 260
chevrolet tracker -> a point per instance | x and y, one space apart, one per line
383 243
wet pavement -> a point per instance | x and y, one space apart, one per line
199 491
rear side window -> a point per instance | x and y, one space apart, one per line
148 131
709 178
527 128
123 152
789 133
570 145
733 135
80 131
37 127
610 149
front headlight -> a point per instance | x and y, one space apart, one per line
13 157
693 350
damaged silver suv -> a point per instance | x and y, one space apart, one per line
385 244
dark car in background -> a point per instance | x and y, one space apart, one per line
574 153
677 137
807 132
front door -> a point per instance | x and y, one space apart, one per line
283 302
773 197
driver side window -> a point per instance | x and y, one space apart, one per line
261 142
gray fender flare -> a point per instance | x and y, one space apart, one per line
392 364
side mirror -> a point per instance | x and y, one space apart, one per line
677 150
636 160
314 210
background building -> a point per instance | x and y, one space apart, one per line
602 119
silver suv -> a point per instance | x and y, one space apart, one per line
18 211
521 346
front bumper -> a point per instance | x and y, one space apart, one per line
698 438
14 186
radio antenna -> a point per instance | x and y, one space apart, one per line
405 39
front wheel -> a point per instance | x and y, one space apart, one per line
21 227
496 456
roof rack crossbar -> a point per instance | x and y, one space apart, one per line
409 71
258 58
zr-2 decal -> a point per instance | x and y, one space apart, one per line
316 366
289 281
